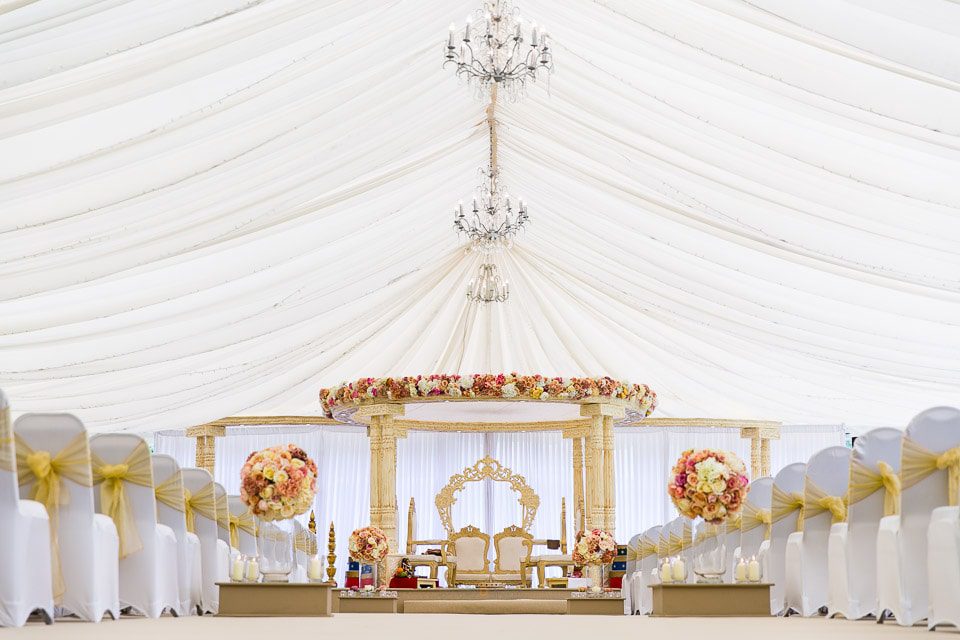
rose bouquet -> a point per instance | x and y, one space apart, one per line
279 482
368 545
594 547
708 483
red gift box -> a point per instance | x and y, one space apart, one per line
403 583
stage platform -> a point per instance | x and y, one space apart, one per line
486 601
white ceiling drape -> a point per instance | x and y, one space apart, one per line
214 208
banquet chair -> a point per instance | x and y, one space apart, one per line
201 514
824 504
148 550
243 527
432 562
756 522
943 566
647 556
562 560
630 601
929 472
786 513
26 581
852 550
304 547
53 464
168 488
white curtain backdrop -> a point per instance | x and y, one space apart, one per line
426 460
215 208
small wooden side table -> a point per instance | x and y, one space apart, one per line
281 599
368 604
595 606
742 599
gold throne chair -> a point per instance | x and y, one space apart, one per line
466 552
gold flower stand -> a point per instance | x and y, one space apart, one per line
279 599
742 599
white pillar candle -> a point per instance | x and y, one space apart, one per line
665 576
236 569
753 570
253 570
740 573
315 570
678 569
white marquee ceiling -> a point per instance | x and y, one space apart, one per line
214 208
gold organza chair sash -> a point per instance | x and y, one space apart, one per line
223 514
675 544
783 504
754 517
864 482
735 522
170 492
687 539
47 471
817 501
203 502
114 500
245 522
917 462
306 542
7 456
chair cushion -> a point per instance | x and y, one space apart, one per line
423 557
556 557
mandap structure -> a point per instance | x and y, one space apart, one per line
586 410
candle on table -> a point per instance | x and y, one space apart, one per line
678 569
315 568
740 573
665 575
753 570
236 569
253 570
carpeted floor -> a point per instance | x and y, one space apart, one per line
467 627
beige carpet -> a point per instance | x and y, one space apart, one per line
463 627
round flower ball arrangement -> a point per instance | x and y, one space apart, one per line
369 546
709 485
594 549
277 484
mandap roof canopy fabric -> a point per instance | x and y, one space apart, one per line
217 208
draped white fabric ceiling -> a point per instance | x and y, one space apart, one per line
214 208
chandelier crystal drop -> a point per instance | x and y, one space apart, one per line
492 222
493 49
487 286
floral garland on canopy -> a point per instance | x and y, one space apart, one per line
489 385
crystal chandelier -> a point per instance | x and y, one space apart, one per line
487 286
492 223
493 50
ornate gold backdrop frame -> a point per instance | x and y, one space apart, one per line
486 468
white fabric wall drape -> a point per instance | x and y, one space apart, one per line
426 460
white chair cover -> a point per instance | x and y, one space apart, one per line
731 540
247 541
88 542
630 600
902 579
214 553
304 543
789 481
852 550
646 568
148 577
166 473
943 539
25 582
226 553
828 473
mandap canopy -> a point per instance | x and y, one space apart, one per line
213 208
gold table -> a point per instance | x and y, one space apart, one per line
368 604
281 599
743 599
595 606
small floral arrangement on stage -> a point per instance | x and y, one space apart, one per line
368 545
500 385
594 547
279 482
708 483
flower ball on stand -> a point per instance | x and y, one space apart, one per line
277 484
711 485
369 546
593 549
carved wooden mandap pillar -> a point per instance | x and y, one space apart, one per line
383 432
578 500
600 472
760 438
206 435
